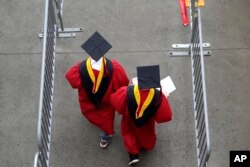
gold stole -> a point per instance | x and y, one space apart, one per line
96 82
140 110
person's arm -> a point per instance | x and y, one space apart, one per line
164 113
118 100
73 76
120 77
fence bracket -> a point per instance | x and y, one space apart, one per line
65 33
184 50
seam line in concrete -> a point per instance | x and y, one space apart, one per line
135 51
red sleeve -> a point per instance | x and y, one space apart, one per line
120 77
164 113
73 76
118 100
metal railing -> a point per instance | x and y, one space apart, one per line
199 92
62 32
49 34
59 7
46 87
37 160
195 49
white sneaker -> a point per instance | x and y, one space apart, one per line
105 142
133 162
134 159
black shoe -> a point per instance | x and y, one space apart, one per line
134 159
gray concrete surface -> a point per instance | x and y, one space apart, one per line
141 33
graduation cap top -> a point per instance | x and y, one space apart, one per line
96 46
148 77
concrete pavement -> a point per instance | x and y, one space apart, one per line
141 33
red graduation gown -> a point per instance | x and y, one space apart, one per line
143 137
103 118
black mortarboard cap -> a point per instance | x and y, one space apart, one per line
96 46
148 77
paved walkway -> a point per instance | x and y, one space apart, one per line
141 33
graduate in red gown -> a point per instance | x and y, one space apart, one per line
96 78
141 106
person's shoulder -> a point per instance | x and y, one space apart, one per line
116 64
114 61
